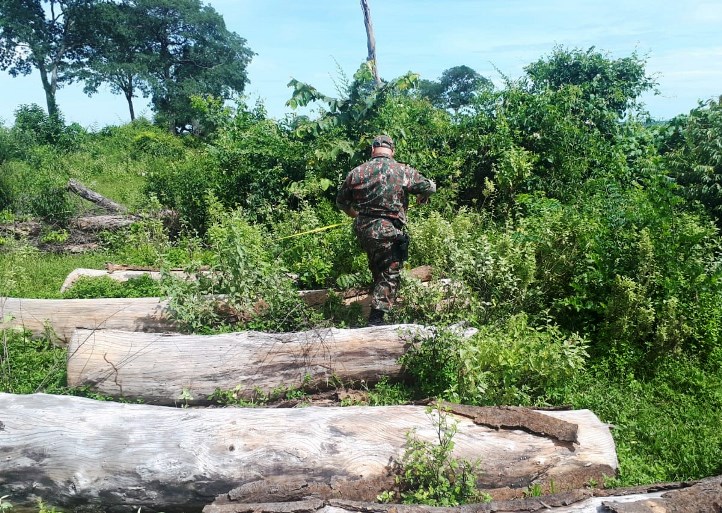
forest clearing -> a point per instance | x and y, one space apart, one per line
185 308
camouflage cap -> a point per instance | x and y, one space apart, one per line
383 140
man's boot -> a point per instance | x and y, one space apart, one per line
376 317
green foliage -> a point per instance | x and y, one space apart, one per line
29 365
52 37
88 288
665 426
611 84
514 363
257 292
455 89
429 474
5 505
168 50
696 156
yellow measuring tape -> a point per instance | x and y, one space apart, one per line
314 230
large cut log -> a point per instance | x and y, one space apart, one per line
62 316
170 368
73 451
696 497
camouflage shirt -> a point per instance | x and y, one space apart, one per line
379 190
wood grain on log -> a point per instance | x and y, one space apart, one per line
63 316
128 365
73 451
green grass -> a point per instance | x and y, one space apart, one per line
30 274
667 427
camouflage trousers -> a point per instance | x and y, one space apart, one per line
385 263
386 272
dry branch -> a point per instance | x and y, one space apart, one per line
111 206
73 451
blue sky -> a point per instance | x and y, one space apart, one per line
311 40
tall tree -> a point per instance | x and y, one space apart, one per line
194 55
455 89
45 35
120 53
612 84
169 50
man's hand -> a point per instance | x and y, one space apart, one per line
351 212
421 199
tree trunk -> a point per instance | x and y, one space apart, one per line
84 192
128 91
128 314
165 369
73 451
49 87
370 41
62 316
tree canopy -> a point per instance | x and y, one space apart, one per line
50 39
456 88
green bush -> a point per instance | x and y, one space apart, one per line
428 472
89 288
258 294
29 365
513 363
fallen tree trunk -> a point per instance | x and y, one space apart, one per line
111 206
62 316
704 495
251 364
72 451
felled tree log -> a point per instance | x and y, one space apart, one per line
62 316
73 451
170 369
111 206
704 495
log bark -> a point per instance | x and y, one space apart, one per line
128 365
73 451
695 497
111 206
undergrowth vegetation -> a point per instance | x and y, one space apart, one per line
579 238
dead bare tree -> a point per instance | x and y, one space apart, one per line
371 41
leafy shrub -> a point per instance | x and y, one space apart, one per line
257 293
89 288
157 143
184 186
29 365
428 472
514 363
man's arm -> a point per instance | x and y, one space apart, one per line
343 201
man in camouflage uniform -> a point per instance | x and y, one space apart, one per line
376 195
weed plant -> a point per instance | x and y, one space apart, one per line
429 474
